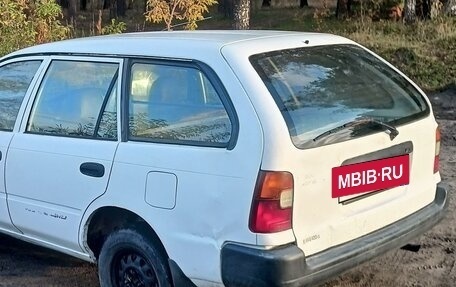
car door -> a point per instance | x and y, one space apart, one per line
187 165
16 79
60 160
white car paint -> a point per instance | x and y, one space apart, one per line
315 229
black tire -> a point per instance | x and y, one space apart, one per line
130 259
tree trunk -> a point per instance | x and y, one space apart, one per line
226 7
343 8
107 4
409 11
113 9
450 7
63 3
427 9
425 12
241 14
83 6
72 10
303 3
121 8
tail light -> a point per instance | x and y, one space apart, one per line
437 151
272 204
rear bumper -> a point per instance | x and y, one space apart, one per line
288 266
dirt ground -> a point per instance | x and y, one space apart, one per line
435 263
22 264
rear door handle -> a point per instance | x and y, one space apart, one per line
92 169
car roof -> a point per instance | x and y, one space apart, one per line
164 43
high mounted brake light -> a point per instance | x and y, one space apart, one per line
272 204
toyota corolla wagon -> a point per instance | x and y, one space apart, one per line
215 158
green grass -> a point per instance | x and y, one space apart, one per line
425 51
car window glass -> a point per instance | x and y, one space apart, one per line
176 104
322 88
108 120
71 97
15 79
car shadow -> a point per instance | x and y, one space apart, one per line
25 263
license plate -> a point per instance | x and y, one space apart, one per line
370 176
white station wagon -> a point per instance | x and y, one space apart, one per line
215 158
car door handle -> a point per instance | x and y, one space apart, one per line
92 169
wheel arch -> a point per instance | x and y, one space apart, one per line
107 219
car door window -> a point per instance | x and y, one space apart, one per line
107 127
176 104
15 79
77 99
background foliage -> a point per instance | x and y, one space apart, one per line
424 49
24 23
168 11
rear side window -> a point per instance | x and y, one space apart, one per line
77 99
322 90
15 79
176 104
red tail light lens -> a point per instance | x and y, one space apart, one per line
273 202
437 150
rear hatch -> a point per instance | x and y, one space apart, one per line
363 141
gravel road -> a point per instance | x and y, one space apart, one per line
22 264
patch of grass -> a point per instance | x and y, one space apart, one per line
425 51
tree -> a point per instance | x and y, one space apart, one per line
303 3
38 22
121 8
72 10
226 7
343 8
450 7
167 11
409 11
427 9
241 14
83 5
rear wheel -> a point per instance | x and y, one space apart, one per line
130 259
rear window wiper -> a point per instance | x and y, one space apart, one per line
362 121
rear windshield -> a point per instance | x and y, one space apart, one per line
324 92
